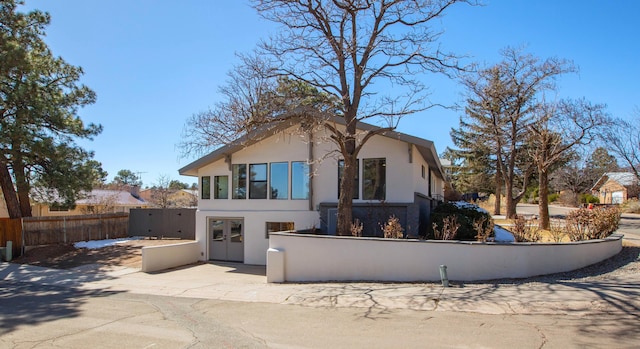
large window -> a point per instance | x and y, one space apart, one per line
258 181
273 227
374 179
356 180
279 181
221 187
299 180
206 187
239 181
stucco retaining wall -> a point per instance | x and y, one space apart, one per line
156 258
336 258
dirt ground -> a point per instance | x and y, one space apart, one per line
66 256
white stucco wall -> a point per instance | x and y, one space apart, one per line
156 258
329 258
255 242
288 146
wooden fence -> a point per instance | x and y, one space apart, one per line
11 230
68 229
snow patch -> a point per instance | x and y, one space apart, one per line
469 206
503 235
94 244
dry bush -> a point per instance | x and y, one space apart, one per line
489 204
556 231
392 229
356 228
484 231
568 198
585 224
524 230
631 206
449 229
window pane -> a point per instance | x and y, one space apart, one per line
217 230
206 187
258 181
221 187
239 178
299 180
279 181
356 180
374 179
236 231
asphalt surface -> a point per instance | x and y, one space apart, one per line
231 306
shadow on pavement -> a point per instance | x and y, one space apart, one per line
30 295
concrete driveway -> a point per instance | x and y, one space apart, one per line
231 305
227 305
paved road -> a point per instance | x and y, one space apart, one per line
231 306
61 317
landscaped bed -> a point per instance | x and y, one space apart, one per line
120 252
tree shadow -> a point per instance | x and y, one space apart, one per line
30 295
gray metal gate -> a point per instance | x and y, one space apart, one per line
163 222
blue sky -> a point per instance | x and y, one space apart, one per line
155 63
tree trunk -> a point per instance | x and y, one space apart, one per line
498 192
345 201
23 188
9 192
543 200
511 202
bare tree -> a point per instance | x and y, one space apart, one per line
623 139
504 98
343 47
323 64
556 130
161 192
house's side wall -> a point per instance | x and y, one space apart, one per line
420 184
400 174
400 184
282 147
606 190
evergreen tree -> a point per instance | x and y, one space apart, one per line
39 100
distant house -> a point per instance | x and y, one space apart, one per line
182 198
97 201
284 179
616 187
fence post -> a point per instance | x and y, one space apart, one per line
64 228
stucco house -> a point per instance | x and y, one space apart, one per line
616 187
284 179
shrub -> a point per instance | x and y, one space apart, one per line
631 206
392 229
553 197
483 229
556 231
589 199
585 224
465 215
524 230
449 229
356 228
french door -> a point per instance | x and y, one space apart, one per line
226 239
